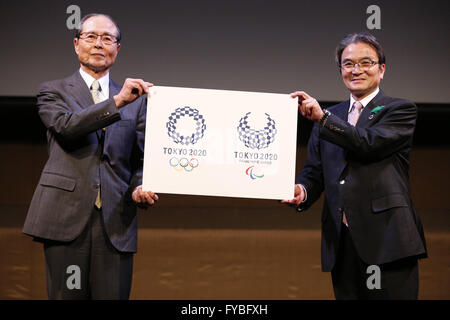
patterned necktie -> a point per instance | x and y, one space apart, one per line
352 119
95 91
355 112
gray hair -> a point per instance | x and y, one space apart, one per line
86 17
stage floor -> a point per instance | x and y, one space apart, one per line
201 260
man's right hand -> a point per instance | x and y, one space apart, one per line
131 90
144 197
308 106
299 196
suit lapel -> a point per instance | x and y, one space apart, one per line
342 110
81 94
365 117
339 154
113 90
79 90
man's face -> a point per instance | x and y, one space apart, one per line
97 57
361 82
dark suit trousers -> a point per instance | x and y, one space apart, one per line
399 279
88 267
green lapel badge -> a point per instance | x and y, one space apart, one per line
375 111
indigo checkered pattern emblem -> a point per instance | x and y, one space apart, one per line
181 113
256 139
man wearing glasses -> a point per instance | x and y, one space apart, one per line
358 155
84 207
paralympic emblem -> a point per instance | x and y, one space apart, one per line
183 164
256 139
252 174
189 112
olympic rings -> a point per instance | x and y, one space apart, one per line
183 163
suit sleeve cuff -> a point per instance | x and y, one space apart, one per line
300 207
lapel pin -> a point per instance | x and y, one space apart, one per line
375 111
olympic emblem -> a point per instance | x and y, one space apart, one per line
179 113
183 164
256 139
252 174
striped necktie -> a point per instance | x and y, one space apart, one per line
355 112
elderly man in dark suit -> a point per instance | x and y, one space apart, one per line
358 154
84 207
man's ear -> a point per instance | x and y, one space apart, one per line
382 70
75 44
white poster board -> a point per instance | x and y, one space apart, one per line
220 143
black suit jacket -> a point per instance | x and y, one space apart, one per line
79 164
364 171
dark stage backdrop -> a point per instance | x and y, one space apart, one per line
254 45
217 247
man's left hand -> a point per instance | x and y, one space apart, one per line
131 90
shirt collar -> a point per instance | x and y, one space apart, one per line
104 82
364 101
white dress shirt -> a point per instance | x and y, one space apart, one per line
364 101
104 83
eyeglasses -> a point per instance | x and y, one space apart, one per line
364 65
92 37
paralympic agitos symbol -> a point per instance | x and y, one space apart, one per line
256 139
189 112
251 174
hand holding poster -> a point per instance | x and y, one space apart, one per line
220 143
